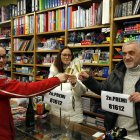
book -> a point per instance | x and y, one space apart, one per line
124 9
106 12
136 7
31 45
129 8
27 6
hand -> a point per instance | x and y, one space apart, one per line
63 77
134 97
72 79
83 76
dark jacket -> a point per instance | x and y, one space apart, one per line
114 83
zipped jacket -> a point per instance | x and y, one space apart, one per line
114 83
15 89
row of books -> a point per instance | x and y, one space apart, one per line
46 59
6 12
51 21
23 25
91 56
23 44
127 8
90 104
55 20
88 38
24 59
50 44
24 78
28 6
97 121
35 5
86 103
45 4
81 17
24 70
24 7
12 10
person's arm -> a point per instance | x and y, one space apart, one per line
91 83
15 88
76 85
79 88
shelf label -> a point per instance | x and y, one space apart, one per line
117 103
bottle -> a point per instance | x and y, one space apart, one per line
40 108
30 114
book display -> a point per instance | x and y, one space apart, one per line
23 56
39 34
124 25
5 41
89 34
95 30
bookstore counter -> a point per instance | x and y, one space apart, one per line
52 128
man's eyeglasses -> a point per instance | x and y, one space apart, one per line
3 56
66 55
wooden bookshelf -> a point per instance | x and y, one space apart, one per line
88 46
127 18
94 114
5 41
115 24
43 65
91 27
23 64
118 22
18 73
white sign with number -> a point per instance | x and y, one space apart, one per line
117 103
58 98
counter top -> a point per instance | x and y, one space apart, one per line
52 128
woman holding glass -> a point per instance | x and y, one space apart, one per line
65 63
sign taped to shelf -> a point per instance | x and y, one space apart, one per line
117 103
58 98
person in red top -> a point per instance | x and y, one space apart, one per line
15 89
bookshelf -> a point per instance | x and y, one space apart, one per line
32 33
21 34
120 21
23 52
5 41
62 31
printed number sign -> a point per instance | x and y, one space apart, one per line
57 97
117 103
